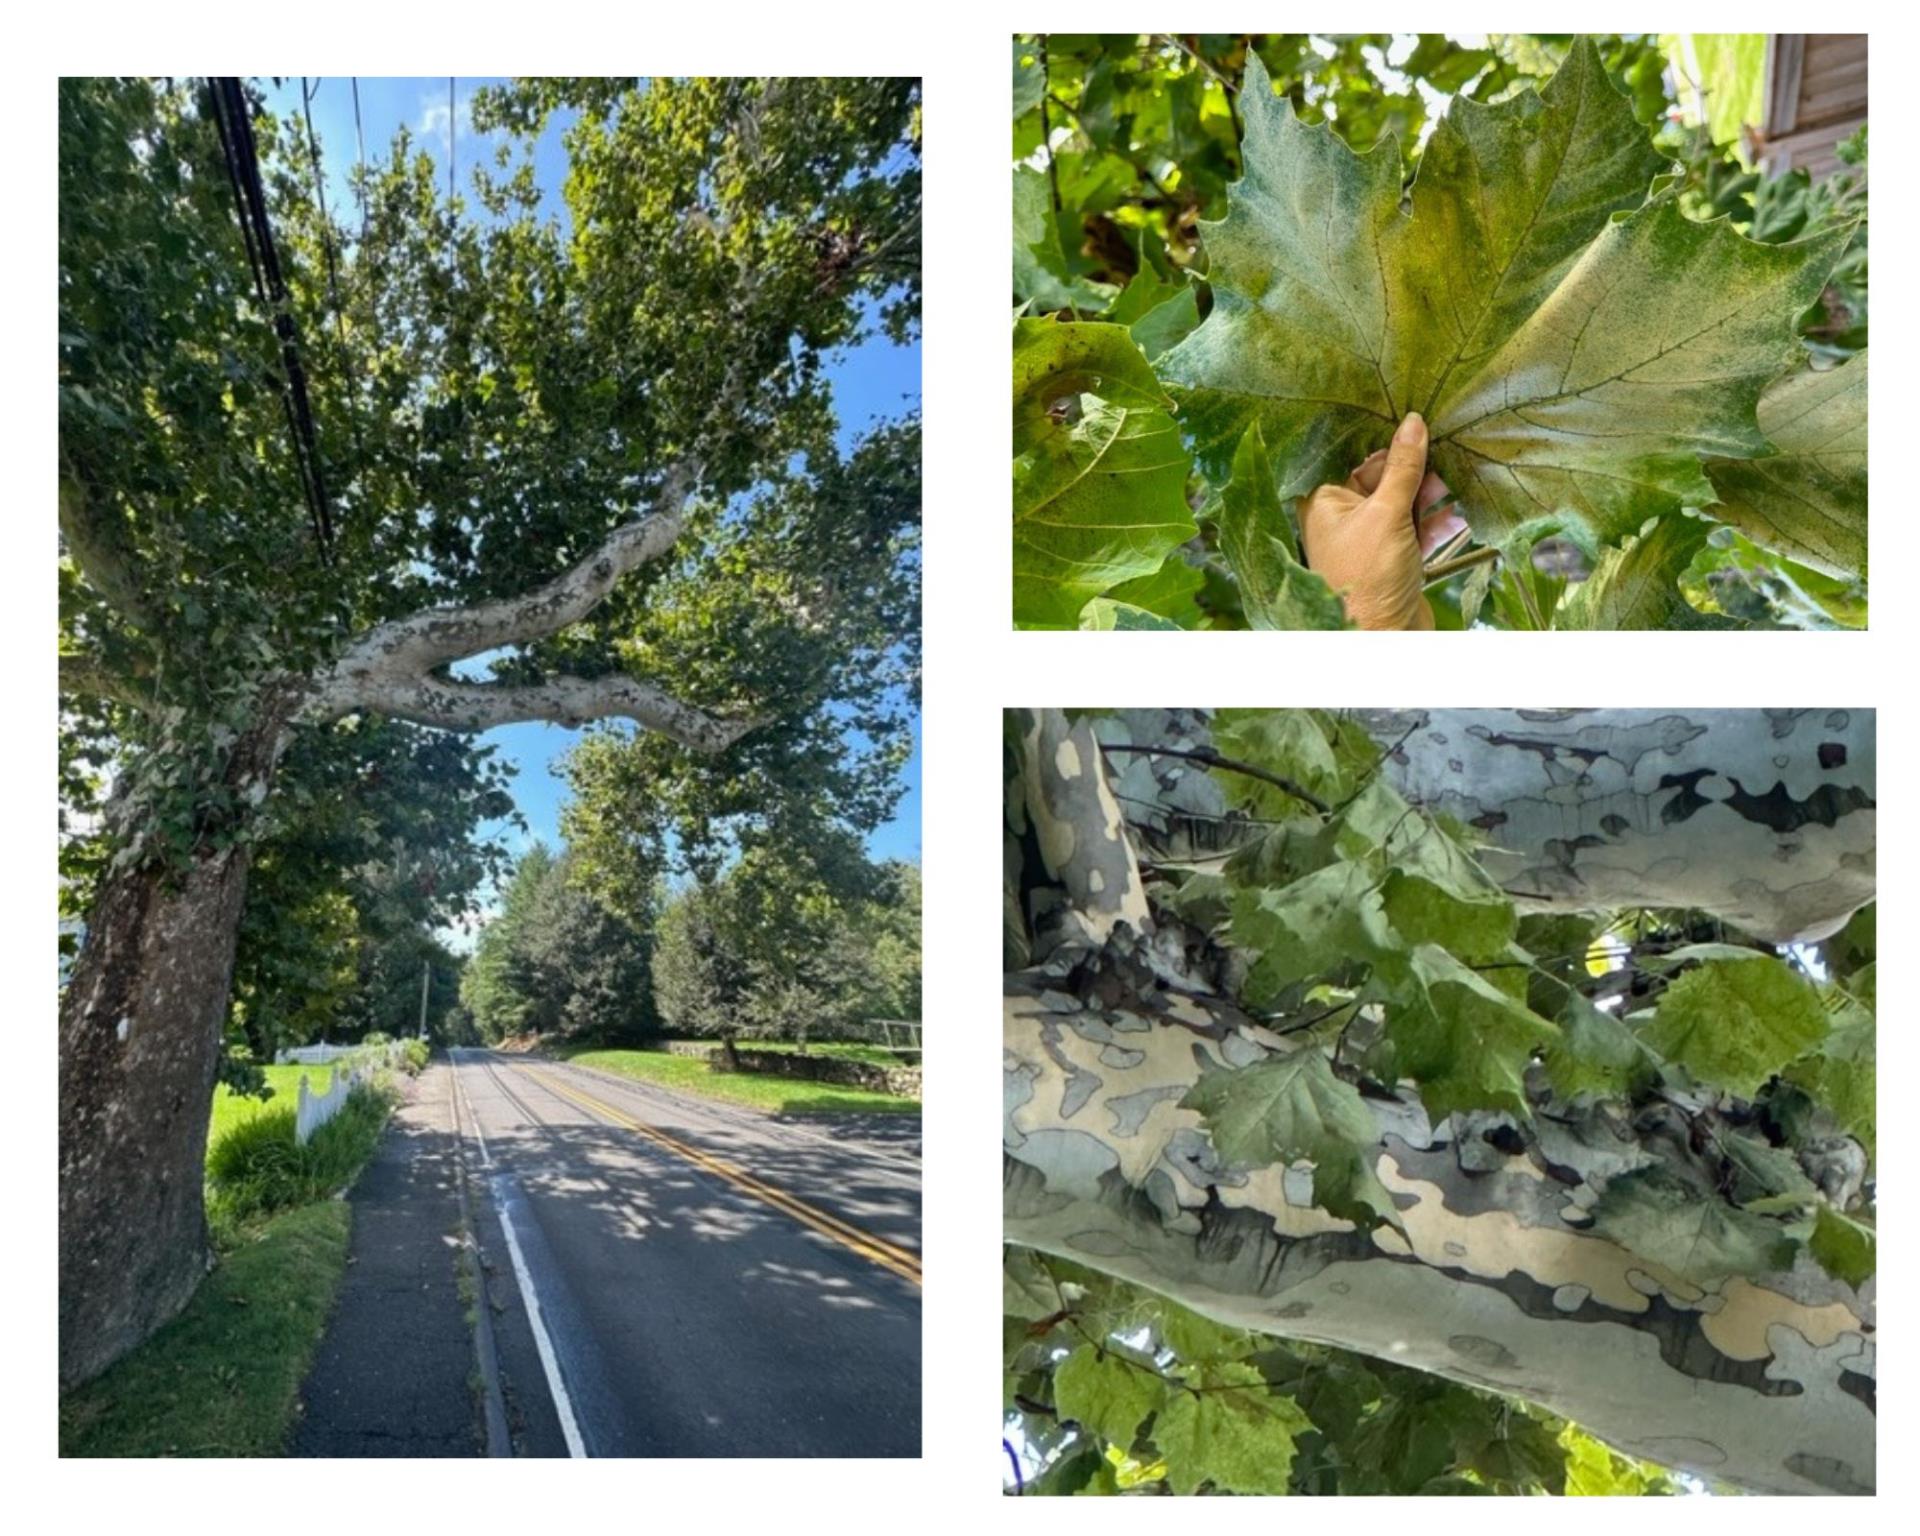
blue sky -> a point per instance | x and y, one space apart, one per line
872 382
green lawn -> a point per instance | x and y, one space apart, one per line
780 1095
230 1108
220 1380
846 1050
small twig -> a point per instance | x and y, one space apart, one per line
1441 569
1232 765
1046 125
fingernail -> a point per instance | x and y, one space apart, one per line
1411 430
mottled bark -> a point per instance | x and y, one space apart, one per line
1763 818
141 1023
1493 1276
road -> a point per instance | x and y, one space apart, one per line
673 1277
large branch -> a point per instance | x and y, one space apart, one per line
1762 817
423 641
460 706
395 668
1765 1383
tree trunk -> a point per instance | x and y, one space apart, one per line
141 1024
140 1030
1492 1278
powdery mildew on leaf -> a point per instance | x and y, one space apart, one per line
1573 345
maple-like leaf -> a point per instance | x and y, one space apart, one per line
1229 1431
1287 1108
1099 472
1808 501
1575 346
1698 1237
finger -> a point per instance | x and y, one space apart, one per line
1438 528
1406 465
1365 480
1431 490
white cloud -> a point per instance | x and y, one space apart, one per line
432 126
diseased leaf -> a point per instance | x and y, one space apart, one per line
1735 1023
1256 536
1099 473
1287 1108
1171 592
1843 1247
1233 1434
1697 1237
1105 613
1572 345
1313 927
1109 1395
1637 585
1808 501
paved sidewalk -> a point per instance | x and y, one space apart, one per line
392 1374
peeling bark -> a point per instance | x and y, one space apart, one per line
1492 1276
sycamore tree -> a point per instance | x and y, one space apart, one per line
1440 1100
1240 261
445 462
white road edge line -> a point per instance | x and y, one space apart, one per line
529 1298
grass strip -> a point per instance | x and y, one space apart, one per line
777 1095
221 1379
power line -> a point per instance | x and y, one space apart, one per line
233 121
360 143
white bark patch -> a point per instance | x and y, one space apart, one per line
1066 758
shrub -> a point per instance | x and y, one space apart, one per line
256 1167
414 1057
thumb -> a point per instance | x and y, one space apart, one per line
1406 467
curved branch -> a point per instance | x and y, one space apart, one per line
461 706
422 641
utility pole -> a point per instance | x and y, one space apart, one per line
426 975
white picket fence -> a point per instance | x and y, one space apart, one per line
312 1055
316 1109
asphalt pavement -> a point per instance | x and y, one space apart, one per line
676 1277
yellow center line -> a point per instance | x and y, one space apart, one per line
890 1256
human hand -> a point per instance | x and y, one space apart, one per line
1368 538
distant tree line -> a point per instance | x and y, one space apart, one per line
758 950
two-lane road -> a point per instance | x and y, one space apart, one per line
681 1278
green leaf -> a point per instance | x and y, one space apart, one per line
1233 1434
1637 585
1287 1108
1276 590
1104 1392
1040 268
1099 473
1463 1040
1840 1075
1156 314
1698 1237
1843 1247
1029 82
1596 1053
1735 1023
1316 926
1105 613
1808 501
1172 592
1571 345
